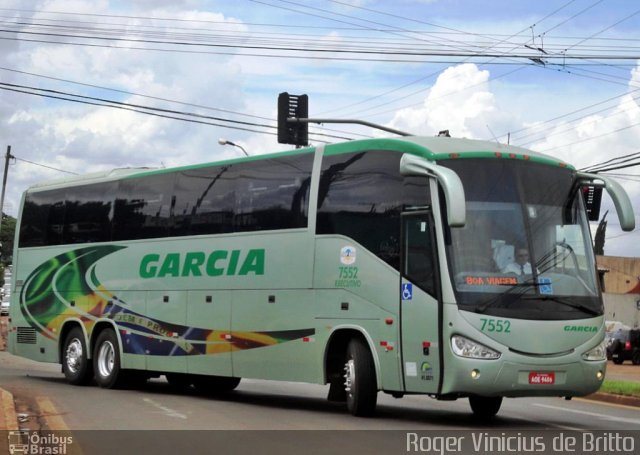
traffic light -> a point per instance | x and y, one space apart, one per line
592 200
293 106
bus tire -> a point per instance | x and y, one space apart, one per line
360 379
76 366
485 407
106 361
618 353
212 385
635 357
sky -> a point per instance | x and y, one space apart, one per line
80 78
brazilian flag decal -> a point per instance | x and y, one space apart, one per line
58 289
67 286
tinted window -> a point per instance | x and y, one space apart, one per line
41 219
88 213
273 194
143 207
418 262
361 196
205 201
249 196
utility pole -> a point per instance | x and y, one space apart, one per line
7 157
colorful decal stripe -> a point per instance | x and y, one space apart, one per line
67 286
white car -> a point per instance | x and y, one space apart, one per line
5 292
4 305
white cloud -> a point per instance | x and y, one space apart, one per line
460 101
464 99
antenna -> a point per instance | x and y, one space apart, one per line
494 136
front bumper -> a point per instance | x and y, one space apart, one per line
514 379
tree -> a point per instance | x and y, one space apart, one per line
7 232
598 248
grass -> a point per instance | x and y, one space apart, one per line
621 388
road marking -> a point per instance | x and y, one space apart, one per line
168 411
606 403
592 414
50 414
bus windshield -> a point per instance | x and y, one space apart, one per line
525 251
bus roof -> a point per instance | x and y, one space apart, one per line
430 148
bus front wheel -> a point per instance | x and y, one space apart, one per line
76 366
360 379
485 407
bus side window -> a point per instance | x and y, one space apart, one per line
142 207
204 201
273 194
361 196
88 213
418 263
33 227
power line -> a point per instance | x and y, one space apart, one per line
163 113
200 106
44 165
573 128
613 168
430 75
513 133
597 165
592 137
292 48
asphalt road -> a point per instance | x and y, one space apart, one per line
161 414
270 405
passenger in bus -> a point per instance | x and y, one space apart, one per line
521 265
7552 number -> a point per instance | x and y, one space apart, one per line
350 273
495 325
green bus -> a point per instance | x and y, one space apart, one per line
374 265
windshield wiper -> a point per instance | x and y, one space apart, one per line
577 306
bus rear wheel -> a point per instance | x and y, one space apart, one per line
485 407
106 361
76 366
360 379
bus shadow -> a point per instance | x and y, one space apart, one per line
452 418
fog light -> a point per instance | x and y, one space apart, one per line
475 374
600 375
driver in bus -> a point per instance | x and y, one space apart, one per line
521 265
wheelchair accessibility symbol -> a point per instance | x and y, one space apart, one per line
407 291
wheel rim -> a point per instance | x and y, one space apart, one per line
74 355
350 378
106 358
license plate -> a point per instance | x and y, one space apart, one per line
542 378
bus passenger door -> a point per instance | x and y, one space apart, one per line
419 304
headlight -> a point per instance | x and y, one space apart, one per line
464 347
597 353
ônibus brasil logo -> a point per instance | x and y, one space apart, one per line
38 443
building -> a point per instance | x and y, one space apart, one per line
620 280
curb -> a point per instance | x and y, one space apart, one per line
616 399
8 418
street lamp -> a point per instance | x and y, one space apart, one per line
223 141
